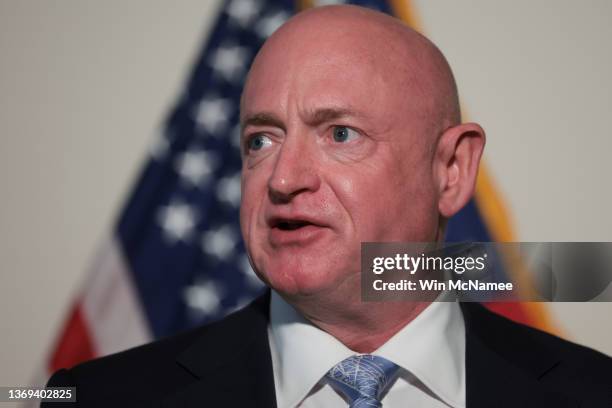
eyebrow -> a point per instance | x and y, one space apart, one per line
312 118
323 115
263 119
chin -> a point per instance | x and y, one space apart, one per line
294 278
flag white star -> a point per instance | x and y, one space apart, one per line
269 24
229 62
196 166
243 12
228 190
219 242
204 297
212 114
177 221
252 279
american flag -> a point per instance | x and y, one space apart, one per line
176 259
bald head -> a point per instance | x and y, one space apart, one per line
410 67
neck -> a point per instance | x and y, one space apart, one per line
360 326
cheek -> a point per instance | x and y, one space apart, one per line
252 194
398 208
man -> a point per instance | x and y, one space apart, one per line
351 133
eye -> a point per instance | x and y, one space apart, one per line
257 142
344 134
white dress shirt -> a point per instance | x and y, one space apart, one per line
430 351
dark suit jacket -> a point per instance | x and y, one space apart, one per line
228 364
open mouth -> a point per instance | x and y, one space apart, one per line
290 231
290 225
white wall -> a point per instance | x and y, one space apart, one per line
84 85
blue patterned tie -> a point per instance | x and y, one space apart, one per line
362 379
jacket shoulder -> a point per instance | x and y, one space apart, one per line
146 373
128 378
578 370
511 336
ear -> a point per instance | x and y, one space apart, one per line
456 161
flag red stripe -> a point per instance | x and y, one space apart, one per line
75 344
512 310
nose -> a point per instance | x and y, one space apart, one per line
296 171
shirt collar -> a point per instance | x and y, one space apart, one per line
301 352
431 347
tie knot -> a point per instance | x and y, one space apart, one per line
362 379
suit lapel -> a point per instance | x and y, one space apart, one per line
231 363
503 372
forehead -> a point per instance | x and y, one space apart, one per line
320 72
